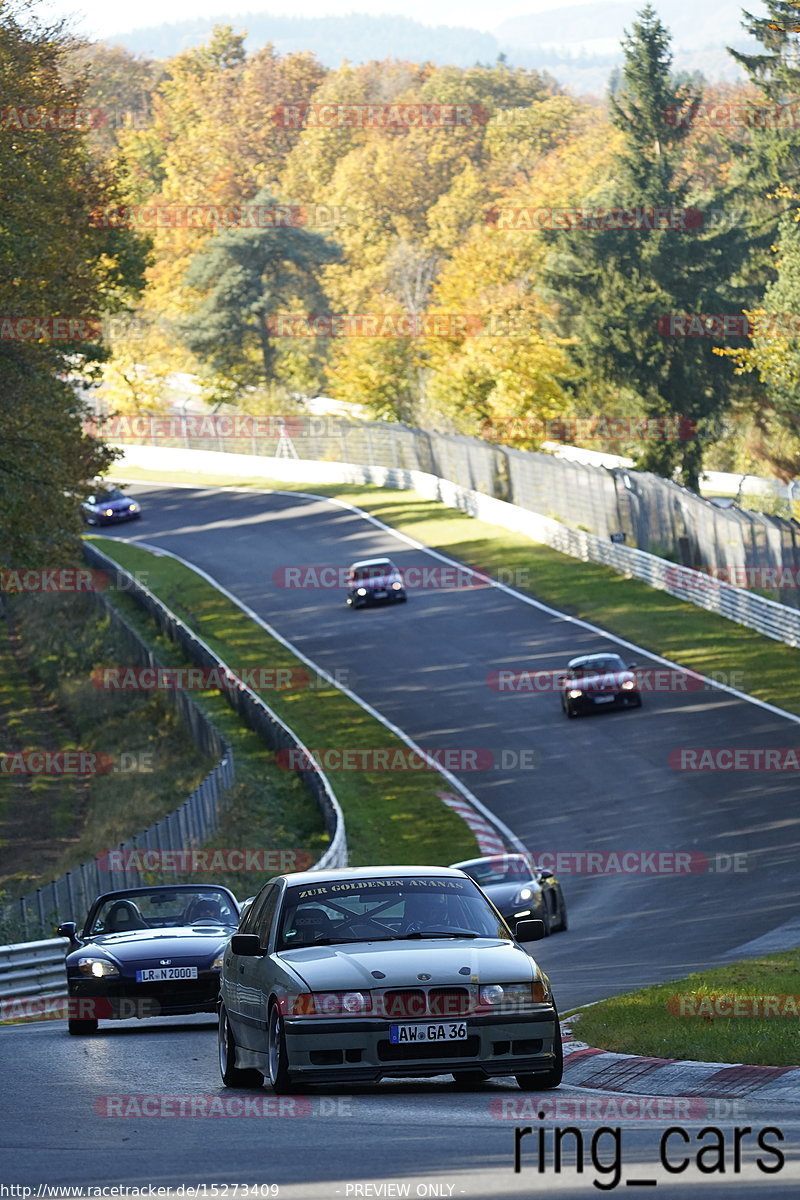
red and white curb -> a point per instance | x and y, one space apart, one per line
488 839
586 1066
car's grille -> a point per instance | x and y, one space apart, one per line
389 1052
427 1002
405 1002
449 1002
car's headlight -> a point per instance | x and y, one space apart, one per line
525 894
574 693
361 591
397 586
513 997
108 512
217 963
629 685
97 967
329 1004
133 507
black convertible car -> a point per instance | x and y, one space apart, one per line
148 952
519 891
598 680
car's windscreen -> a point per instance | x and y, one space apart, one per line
111 494
376 571
360 910
163 907
598 666
503 869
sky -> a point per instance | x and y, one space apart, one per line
98 18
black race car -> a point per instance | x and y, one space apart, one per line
375 581
108 506
148 952
518 890
598 681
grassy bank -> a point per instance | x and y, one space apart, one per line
689 1018
50 823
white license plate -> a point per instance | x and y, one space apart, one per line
449 1031
160 974
604 699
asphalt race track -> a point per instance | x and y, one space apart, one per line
600 783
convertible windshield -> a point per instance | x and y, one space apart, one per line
163 907
385 909
109 494
597 666
505 868
374 570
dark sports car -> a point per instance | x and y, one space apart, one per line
598 681
108 506
148 952
375 581
519 891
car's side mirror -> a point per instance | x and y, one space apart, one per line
69 929
632 666
529 931
545 874
246 944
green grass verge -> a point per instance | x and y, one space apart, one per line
390 816
658 622
649 1021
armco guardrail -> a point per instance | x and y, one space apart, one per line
776 621
250 707
32 969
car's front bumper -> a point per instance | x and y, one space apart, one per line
592 703
121 999
359 1049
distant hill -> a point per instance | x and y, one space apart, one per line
578 45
